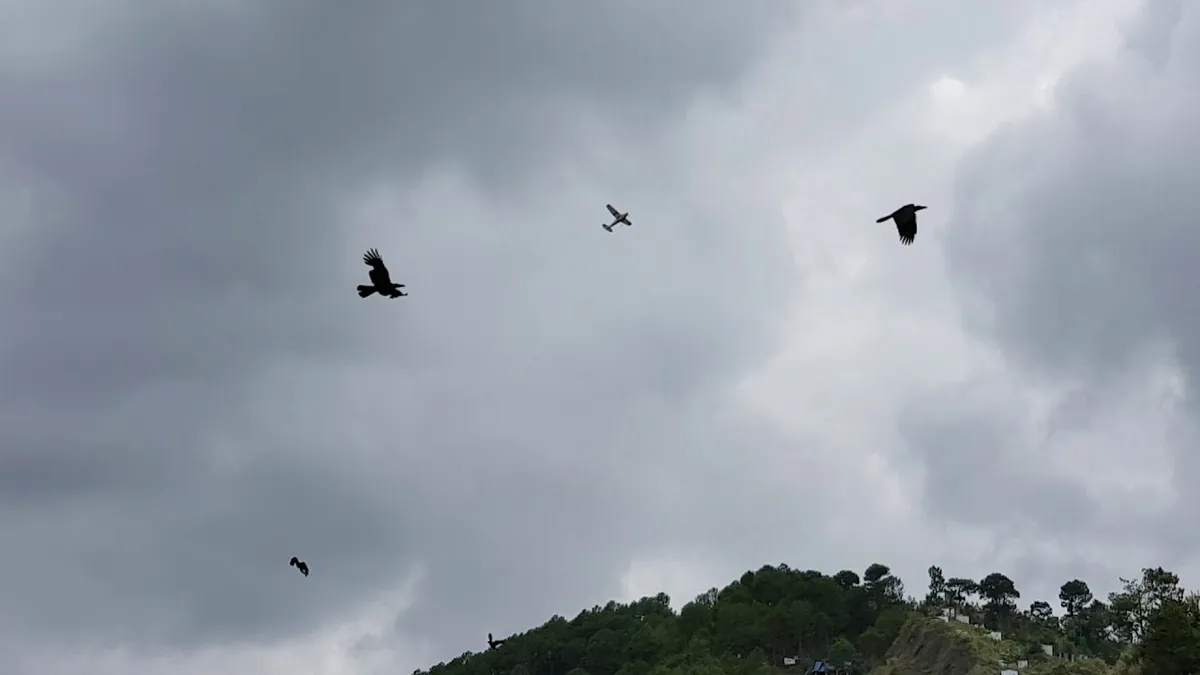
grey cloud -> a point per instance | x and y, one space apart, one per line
1072 245
192 393
981 459
1151 34
1039 484
318 90
1072 227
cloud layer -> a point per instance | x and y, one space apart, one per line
192 392
1069 251
556 415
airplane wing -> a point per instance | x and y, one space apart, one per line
615 213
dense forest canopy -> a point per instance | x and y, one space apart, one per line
783 618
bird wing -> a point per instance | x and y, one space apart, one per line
380 277
373 259
379 272
906 225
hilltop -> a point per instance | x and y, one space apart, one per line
782 620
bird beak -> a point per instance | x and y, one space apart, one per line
921 207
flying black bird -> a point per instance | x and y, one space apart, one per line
492 644
906 222
300 565
381 281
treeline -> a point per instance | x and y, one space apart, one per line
779 617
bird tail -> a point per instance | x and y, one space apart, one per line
883 219
364 291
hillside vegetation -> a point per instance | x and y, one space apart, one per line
780 619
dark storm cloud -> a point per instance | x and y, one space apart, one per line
187 172
1073 242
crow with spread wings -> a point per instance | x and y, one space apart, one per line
906 222
381 281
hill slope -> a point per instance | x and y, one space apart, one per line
782 620
931 647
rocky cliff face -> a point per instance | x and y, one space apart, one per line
931 647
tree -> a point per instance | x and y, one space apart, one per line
1040 611
876 572
873 644
1000 593
959 592
708 597
1091 630
876 640
1132 607
846 579
1171 645
737 626
652 640
1074 596
695 617
842 652
882 588
937 587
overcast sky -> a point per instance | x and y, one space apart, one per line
755 372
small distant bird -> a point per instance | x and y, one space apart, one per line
492 644
300 565
381 281
906 222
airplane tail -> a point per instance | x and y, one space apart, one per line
606 226
364 291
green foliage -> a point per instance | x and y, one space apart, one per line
1074 596
863 624
1083 667
1171 645
1000 592
937 587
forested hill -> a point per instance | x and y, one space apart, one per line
781 619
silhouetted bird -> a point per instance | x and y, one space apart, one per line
300 565
381 281
906 222
492 644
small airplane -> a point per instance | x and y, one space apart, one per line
618 217
299 564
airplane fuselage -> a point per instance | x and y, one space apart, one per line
623 218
